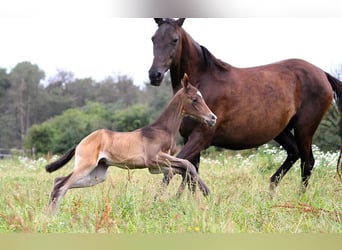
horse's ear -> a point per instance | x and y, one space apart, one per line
185 81
158 20
180 21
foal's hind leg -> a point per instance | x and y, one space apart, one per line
96 176
288 142
57 193
76 179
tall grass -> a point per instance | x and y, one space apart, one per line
239 199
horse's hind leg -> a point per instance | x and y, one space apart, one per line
288 142
303 135
307 162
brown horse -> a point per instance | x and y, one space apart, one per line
149 147
283 101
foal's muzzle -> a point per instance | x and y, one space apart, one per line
211 120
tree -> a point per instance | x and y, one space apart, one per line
22 97
118 89
66 130
5 117
158 97
131 118
4 83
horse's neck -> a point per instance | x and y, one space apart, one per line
171 118
190 62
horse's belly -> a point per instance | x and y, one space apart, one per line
247 135
239 143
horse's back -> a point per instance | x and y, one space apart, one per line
264 99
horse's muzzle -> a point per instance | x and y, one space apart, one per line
156 77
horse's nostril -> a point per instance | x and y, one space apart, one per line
155 75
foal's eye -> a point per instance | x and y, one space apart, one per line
152 39
194 100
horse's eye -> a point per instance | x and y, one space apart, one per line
152 38
194 100
175 40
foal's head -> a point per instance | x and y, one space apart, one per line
166 47
193 103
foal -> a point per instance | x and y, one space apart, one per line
148 147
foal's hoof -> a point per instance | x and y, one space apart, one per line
205 190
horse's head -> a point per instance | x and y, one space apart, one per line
194 104
166 47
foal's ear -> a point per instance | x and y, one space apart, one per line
180 21
185 81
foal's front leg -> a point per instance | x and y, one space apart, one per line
196 138
186 169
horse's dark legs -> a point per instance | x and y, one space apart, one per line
307 159
306 169
287 140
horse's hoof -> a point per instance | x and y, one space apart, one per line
272 190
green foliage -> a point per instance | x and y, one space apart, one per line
4 82
131 118
40 137
68 129
62 132
327 135
26 101
158 97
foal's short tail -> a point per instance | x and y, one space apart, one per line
61 161
337 87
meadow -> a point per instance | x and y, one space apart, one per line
239 199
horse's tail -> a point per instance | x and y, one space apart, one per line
337 87
61 161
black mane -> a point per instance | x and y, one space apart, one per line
210 60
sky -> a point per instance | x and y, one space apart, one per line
99 47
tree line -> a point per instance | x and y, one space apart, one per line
55 113
51 115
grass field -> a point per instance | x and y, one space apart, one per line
239 199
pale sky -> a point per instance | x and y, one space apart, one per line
98 47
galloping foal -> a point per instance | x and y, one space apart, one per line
148 147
